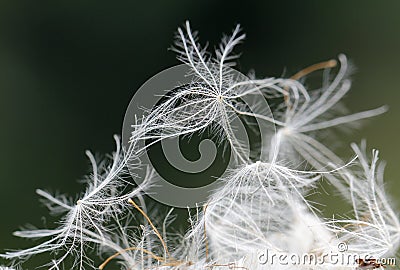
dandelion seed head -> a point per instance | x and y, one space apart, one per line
263 202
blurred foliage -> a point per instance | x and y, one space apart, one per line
68 70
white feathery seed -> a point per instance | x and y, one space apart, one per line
262 206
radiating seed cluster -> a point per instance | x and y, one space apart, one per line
263 203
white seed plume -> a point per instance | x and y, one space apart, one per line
305 112
375 228
84 221
213 99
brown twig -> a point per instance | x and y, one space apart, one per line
151 224
154 256
322 65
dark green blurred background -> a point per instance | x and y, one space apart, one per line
68 70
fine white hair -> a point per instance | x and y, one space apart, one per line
263 204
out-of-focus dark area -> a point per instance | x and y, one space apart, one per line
68 70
